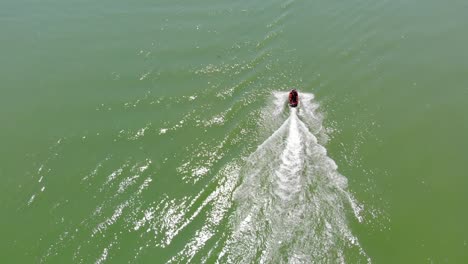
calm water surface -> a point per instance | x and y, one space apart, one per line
158 131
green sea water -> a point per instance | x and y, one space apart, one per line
158 131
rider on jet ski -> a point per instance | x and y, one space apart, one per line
293 98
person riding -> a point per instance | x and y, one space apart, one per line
293 95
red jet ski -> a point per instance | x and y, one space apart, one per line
293 98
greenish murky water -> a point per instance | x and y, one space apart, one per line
158 131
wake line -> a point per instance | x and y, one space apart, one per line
292 202
288 181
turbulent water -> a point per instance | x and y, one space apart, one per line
292 202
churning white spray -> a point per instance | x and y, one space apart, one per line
291 205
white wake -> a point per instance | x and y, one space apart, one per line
292 205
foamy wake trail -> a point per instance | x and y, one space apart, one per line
292 205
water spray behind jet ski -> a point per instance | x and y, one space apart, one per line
291 205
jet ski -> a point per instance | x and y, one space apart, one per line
293 98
